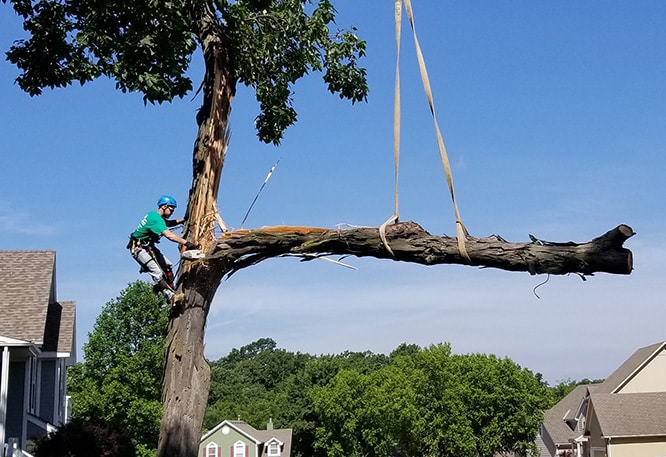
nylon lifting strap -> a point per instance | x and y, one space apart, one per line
461 231
396 127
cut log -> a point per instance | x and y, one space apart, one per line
411 243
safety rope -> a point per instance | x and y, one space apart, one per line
461 231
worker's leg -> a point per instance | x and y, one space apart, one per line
150 265
166 266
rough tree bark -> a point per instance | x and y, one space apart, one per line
186 372
187 375
411 243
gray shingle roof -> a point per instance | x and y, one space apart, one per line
67 336
26 279
28 307
624 372
59 327
638 414
282 434
554 418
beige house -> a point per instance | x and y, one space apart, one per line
625 416
239 439
37 345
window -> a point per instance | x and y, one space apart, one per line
211 450
239 449
273 448
32 380
60 391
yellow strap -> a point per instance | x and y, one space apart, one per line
396 126
461 231
396 102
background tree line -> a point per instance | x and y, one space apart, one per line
417 401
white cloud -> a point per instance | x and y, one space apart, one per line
21 223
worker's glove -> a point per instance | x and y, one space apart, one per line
190 246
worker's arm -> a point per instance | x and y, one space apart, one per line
173 237
174 222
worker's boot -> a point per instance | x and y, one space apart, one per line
169 278
162 285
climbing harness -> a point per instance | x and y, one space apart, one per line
156 256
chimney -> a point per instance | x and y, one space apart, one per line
269 426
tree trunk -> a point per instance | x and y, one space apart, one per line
186 372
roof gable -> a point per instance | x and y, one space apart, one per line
631 367
27 287
243 428
67 335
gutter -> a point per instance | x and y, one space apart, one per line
645 435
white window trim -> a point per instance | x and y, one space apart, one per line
239 449
211 447
273 448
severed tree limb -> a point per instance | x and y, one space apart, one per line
411 243
187 374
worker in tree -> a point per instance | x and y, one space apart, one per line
142 242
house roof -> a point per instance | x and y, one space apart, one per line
635 414
555 418
59 327
283 435
26 279
617 379
28 307
67 336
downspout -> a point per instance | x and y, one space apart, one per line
4 386
608 447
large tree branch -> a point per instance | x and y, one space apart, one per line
411 243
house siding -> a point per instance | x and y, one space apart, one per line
636 447
34 431
547 441
15 400
595 436
47 391
652 378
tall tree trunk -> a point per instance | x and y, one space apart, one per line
187 374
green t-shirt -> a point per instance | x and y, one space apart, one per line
151 226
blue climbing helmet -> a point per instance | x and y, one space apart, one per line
167 200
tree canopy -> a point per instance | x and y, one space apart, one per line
148 47
417 401
119 382
431 403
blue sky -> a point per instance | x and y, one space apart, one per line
554 117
